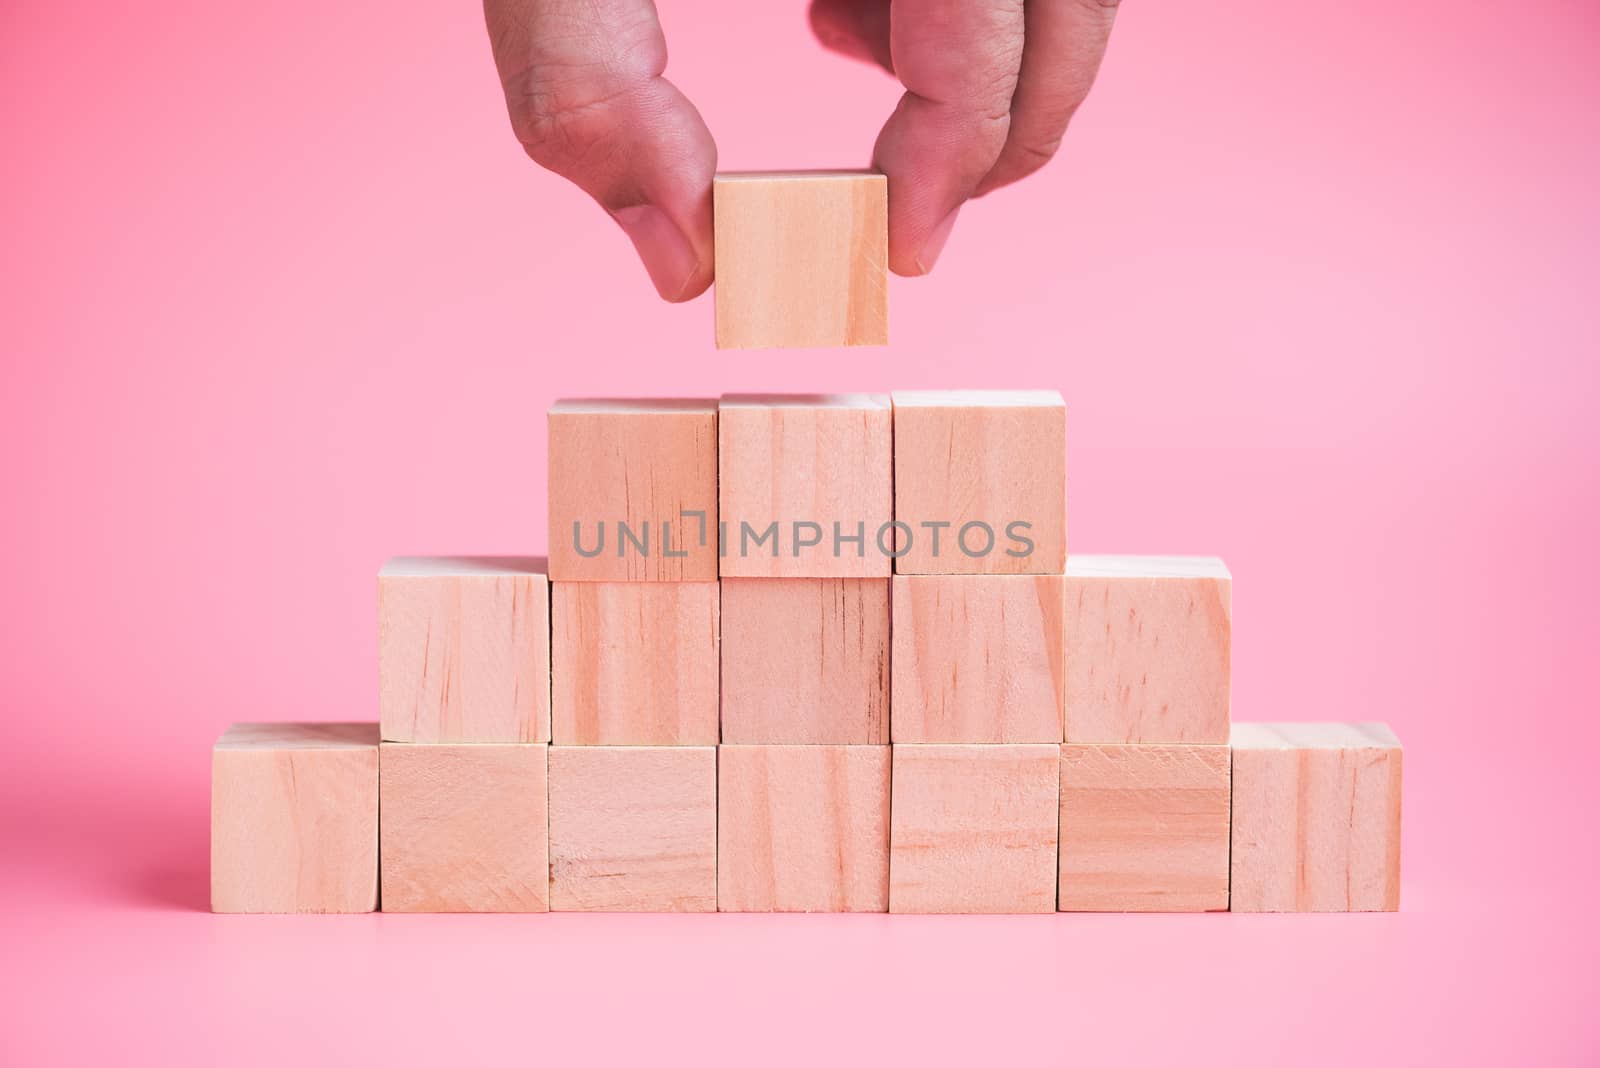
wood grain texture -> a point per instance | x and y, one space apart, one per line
803 828
633 829
464 649
802 259
634 663
294 818
1144 828
981 457
977 658
1149 649
643 463
805 661
973 828
1316 817
822 460
464 828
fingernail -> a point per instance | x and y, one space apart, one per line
936 239
667 254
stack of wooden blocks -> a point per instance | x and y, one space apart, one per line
811 653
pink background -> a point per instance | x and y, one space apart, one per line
281 298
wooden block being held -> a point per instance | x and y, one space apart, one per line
803 828
634 663
633 829
633 491
1316 817
805 485
294 818
973 828
464 828
464 649
980 480
802 259
805 661
1149 645
1144 828
977 658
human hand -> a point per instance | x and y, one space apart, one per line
990 87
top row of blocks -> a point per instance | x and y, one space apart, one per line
838 486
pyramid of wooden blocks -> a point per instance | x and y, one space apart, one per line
1144 828
1149 645
633 829
811 653
805 485
1316 817
464 828
802 259
977 658
294 818
973 828
803 828
980 482
633 491
464 649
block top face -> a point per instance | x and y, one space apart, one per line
1138 567
978 398
849 401
463 566
264 736
836 175
1313 736
633 406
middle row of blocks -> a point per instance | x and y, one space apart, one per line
996 828
1117 650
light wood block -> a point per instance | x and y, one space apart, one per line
1149 645
465 828
991 465
801 469
294 818
1316 817
633 491
634 663
803 828
805 661
977 658
973 828
802 259
464 649
633 829
1144 828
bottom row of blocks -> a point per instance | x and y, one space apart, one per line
1311 813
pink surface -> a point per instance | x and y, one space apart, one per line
282 299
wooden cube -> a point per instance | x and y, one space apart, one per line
802 259
1149 641
633 829
633 491
977 658
805 485
980 482
634 663
805 661
294 818
1144 828
973 828
465 828
803 828
464 649
1316 817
